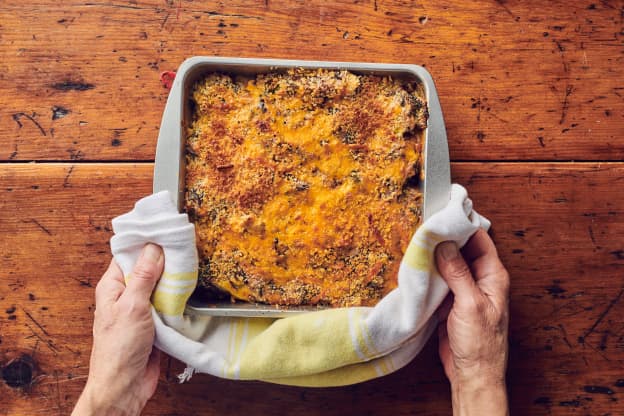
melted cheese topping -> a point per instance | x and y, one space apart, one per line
303 185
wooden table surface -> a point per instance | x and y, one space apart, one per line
533 96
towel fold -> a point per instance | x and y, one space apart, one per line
329 347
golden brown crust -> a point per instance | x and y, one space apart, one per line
302 185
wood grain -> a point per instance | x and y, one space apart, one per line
519 81
527 80
558 227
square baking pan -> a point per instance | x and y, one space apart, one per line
170 154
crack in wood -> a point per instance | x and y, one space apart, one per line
160 10
591 236
164 21
18 116
35 322
598 390
58 391
565 336
13 155
72 86
604 313
66 183
83 282
566 103
121 6
502 4
47 342
38 224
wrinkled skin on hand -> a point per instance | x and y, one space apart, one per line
124 365
473 331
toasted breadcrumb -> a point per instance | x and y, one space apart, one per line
303 185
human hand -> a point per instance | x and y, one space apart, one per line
124 366
474 325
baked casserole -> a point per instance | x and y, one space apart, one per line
303 185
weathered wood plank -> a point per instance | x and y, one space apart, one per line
525 80
558 228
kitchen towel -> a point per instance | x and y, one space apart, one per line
328 347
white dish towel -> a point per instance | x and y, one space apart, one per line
325 348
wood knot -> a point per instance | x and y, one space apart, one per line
18 373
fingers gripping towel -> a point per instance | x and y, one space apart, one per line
326 348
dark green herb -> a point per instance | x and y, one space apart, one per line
195 195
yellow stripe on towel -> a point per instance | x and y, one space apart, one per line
171 304
173 291
418 256
342 376
182 276
291 346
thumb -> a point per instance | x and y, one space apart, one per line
455 271
146 272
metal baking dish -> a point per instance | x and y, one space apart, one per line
170 157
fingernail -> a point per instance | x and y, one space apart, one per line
152 253
448 250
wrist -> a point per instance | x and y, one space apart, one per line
480 396
96 401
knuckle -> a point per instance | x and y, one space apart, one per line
143 271
458 269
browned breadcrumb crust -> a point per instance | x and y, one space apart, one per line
303 184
